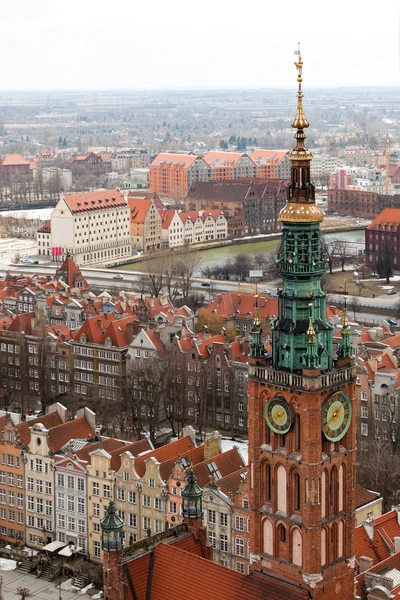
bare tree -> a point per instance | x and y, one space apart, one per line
385 261
147 390
184 270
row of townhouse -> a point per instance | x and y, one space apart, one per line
172 175
57 477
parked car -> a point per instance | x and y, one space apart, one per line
391 292
206 284
267 292
118 276
392 321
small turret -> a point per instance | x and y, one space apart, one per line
257 347
112 535
345 350
192 498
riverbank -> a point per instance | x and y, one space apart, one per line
220 252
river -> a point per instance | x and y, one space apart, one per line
214 256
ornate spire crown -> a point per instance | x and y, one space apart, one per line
300 121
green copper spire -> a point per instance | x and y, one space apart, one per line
345 349
192 498
257 346
301 265
112 535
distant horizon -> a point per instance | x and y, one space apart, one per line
226 88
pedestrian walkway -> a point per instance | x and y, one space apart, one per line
40 589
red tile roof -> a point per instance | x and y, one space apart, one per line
135 449
13 160
384 528
138 209
76 429
186 160
389 216
166 453
227 463
268 156
364 496
45 228
108 444
93 201
49 421
216 158
231 304
207 579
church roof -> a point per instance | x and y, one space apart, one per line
155 575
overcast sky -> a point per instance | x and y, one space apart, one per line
82 44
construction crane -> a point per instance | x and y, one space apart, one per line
387 165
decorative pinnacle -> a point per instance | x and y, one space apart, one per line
345 318
310 331
300 121
256 318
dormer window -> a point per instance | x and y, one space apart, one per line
83 339
108 342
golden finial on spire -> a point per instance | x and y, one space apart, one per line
345 318
300 121
256 318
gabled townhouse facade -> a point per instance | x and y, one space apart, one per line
145 224
171 175
39 474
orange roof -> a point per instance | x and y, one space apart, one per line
13 160
71 274
383 530
167 216
93 201
392 562
224 158
231 304
393 342
227 463
230 483
268 156
364 496
49 421
45 228
61 434
208 579
94 327
389 216
108 444
185 160
165 453
138 209
135 448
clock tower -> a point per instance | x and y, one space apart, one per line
302 432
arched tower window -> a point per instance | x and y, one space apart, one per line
268 496
297 548
323 493
268 532
296 492
333 491
341 487
281 489
340 539
323 548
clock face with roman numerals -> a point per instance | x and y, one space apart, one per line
336 416
279 415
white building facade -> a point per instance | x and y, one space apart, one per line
93 228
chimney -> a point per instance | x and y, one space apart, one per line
396 541
189 431
60 409
365 563
212 445
369 529
132 329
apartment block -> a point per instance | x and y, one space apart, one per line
92 228
171 175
